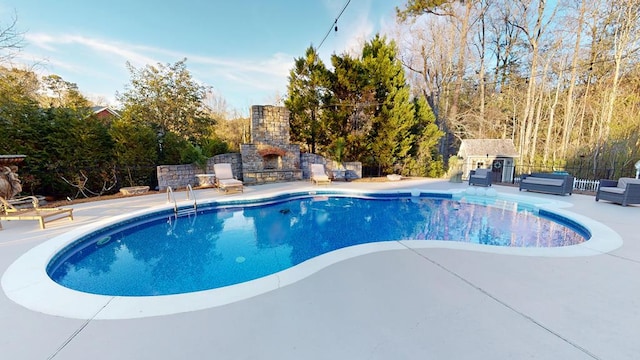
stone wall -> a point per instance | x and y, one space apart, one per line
271 176
306 159
231 158
269 124
354 169
179 176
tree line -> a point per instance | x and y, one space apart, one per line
164 119
560 78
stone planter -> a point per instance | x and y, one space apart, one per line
206 180
134 190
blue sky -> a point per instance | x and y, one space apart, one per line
243 49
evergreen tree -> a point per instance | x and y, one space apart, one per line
425 159
351 107
363 111
307 92
79 154
135 148
391 137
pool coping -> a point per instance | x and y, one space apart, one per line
26 282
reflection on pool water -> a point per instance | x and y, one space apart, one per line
221 246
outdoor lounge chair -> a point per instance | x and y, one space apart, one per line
318 175
557 183
480 177
43 215
625 191
224 178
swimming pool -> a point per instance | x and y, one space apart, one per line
224 245
27 283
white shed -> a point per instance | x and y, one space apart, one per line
499 155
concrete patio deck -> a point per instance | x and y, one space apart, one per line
402 304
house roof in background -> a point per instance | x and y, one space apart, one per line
490 147
101 109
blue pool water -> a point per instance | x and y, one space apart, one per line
221 246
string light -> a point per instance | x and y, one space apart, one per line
334 26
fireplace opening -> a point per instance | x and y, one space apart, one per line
272 162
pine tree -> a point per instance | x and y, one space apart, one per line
391 137
307 91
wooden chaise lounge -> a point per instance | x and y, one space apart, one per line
224 178
318 175
43 215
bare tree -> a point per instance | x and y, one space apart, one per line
461 16
481 48
533 25
561 87
625 37
11 39
569 114
427 54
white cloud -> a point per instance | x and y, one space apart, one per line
121 50
277 65
97 58
361 31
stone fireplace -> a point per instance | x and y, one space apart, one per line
270 157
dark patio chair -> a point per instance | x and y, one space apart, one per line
481 177
625 191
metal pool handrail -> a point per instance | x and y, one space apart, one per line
172 198
190 194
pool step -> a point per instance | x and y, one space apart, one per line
187 211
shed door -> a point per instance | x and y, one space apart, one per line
496 170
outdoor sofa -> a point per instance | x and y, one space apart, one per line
550 183
480 177
625 191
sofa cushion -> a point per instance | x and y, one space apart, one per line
480 173
612 189
622 182
543 181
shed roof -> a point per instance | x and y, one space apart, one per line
491 147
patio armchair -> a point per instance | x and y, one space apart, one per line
481 177
318 175
625 191
43 215
224 178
